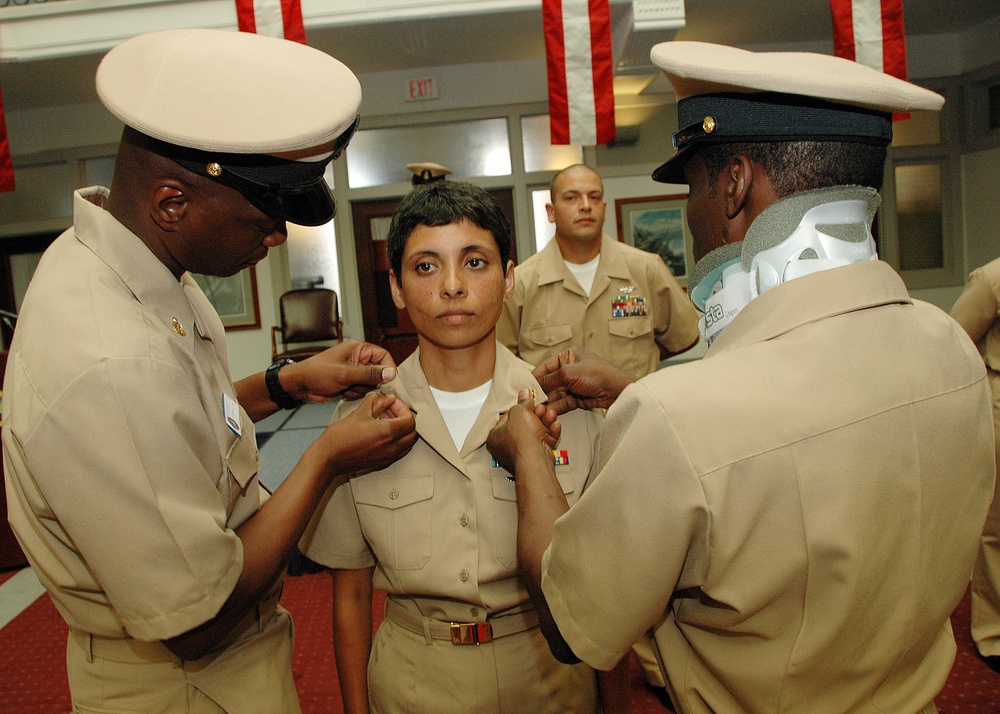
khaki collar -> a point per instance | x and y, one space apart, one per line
552 268
152 283
810 299
510 376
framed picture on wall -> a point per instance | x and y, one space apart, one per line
658 224
234 298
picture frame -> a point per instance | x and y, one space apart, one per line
658 224
234 298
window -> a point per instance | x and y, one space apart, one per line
919 225
919 216
478 148
540 154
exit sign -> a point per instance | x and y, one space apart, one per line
418 90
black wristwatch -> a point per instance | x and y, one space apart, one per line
275 391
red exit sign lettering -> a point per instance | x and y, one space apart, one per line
417 90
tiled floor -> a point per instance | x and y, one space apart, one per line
286 435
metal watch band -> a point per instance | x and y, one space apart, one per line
275 391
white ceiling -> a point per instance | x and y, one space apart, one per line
513 35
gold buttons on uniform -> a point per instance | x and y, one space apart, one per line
393 494
708 125
463 521
463 576
178 328
214 169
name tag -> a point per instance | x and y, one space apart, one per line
231 412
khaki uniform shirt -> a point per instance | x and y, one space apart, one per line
124 483
443 522
634 303
800 509
977 310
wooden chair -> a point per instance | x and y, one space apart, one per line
308 315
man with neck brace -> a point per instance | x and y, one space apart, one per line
796 515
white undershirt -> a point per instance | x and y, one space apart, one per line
461 409
584 272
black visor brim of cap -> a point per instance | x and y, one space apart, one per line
305 205
293 191
308 201
672 170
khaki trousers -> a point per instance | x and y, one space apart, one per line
408 672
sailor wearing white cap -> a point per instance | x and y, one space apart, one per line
129 452
796 515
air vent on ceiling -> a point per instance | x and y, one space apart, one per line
644 24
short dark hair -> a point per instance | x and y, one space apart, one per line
441 203
796 166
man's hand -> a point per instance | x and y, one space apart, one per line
349 370
577 378
521 430
380 431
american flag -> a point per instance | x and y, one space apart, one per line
871 33
580 71
275 18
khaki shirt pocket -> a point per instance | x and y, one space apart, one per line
396 515
241 465
630 328
629 342
505 510
551 334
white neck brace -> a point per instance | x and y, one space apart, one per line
829 235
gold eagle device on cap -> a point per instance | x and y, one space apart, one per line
261 115
725 94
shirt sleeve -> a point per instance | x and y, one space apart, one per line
509 325
634 531
976 308
676 322
129 465
334 537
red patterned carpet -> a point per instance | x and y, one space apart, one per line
33 666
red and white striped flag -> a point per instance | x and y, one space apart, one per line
6 167
871 33
581 71
275 18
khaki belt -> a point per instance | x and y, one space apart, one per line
135 651
460 633
122 650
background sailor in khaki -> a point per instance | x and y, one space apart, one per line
129 452
585 288
819 479
977 310
437 529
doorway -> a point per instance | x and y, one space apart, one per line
384 324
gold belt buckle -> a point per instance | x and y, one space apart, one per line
471 633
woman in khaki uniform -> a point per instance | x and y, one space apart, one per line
437 529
